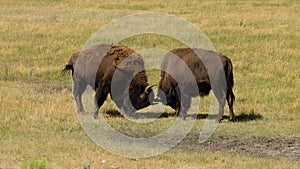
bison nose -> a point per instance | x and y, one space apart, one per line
161 98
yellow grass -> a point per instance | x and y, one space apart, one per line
38 118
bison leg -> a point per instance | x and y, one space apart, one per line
179 112
176 106
221 110
186 103
177 109
79 87
221 97
183 114
100 97
230 100
183 103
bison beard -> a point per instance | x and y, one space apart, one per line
117 62
208 76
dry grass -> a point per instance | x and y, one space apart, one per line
36 107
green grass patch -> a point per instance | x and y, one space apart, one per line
35 164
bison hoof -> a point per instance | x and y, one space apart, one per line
96 116
80 112
183 115
219 119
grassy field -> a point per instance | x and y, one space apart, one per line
38 124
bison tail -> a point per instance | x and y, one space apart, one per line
231 74
230 81
67 68
71 63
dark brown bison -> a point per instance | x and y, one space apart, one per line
208 70
117 70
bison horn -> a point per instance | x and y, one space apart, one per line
148 88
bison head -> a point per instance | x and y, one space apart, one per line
130 80
167 96
167 93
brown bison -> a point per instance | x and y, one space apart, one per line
117 70
209 70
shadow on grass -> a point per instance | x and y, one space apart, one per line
247 116
113 113
242 117
116 113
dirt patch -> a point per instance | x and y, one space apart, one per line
260 146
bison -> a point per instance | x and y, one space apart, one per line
105 67
209 69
